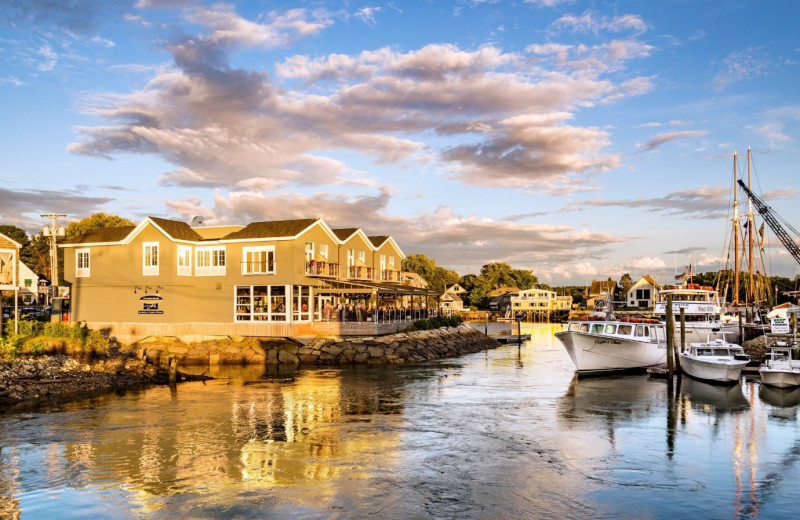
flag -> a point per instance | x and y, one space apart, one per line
763 236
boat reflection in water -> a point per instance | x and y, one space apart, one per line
711 398
784 401
611 399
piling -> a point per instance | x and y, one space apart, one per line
670 339
741 328
683 341
173 370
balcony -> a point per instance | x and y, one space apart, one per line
360 273
322 269
389 275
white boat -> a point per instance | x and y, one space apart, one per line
608 345
716 361
779 369
705 317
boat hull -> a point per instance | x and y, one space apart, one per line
591 353
727 372
788 377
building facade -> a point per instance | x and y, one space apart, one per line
643 294
540 303
201 279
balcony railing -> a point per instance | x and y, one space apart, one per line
390 275
266 267
327 269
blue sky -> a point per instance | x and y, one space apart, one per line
577 139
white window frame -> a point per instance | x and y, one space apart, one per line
83 272
391 261
185 267
351 258
362 257
258 249
323 251
309 251
214 268
152 268
383 262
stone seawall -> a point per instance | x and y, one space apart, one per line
402 347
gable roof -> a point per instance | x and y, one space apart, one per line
19 246
344 233
176 230
503 291
109 234
602 286
272 229
378 240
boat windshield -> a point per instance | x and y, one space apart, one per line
584 327
704 352
597 328
722 352
611 329
625 330
642 332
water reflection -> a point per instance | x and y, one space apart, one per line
508 433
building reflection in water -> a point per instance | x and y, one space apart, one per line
281 431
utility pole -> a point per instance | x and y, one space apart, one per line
53 231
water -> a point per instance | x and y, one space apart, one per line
509 433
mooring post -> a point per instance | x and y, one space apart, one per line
173 370
683 341
670 339
741 328
486 323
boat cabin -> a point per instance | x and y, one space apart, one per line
643 332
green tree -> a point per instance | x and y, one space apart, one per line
96 221
625 284
437 277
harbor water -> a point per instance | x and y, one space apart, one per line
507 433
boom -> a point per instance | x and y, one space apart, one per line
767 214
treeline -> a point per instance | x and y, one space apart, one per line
492 276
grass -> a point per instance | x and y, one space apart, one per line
36 338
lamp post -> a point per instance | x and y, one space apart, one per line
53 231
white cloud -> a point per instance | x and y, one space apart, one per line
660 139
590 21
367 15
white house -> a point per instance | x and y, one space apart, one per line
28 285
643 293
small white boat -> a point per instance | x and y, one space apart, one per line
608 345
716 361
779 369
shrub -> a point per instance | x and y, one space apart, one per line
436 323
32 336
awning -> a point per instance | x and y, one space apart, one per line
362 286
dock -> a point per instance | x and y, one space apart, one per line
512 338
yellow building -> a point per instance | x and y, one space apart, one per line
540 304
164 277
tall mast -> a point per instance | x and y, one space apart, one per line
735 236
751 227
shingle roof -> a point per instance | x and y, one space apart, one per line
599 287
275 228
176 229
102 235
344 233
378 240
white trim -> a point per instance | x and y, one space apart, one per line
150 270
14 259
259 249
83 272
210 270
184 270
19 246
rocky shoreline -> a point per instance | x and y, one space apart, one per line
403 347
33 379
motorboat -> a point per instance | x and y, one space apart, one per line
779 369
605 344
716 361
704 316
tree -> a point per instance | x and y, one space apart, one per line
625 284
438 278
96 221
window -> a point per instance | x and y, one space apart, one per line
323 251
350 258
383 262
150 258
210 261
362 257
184 261
261 303
301 303
309 251
258 260
391 261
81 263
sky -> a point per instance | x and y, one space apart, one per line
581 140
